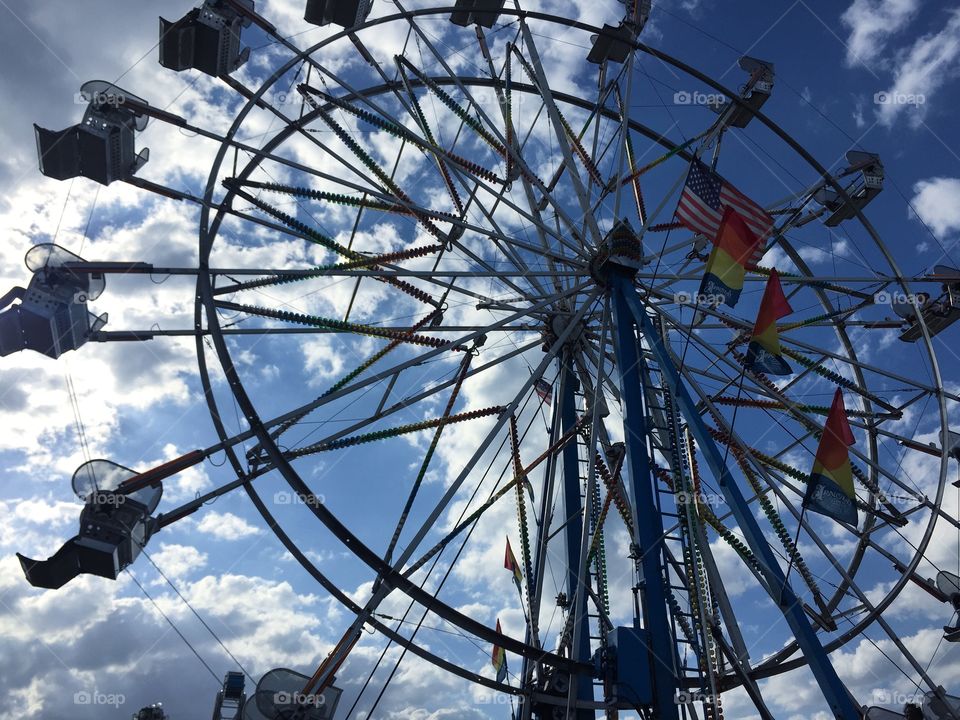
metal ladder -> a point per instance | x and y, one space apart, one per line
693 609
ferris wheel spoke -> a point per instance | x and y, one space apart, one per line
280 277
356 372
739 452
569 141
442 582
383 410
337 325
437 423
328 243
324 114
403 206
478 512
565 137
525 388
787 341
875 611
414 109
876 467
429 355
461 166
511 149
497 137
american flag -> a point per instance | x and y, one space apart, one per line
544 390
704 196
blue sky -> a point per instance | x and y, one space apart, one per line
141 404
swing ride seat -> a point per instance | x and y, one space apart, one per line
207 39
479 12
51 317
113 530
114 527
754 97
101 146
615 44
345 13
279 694
867 184
938 314
152 712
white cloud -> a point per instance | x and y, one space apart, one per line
176 561
45 513
937 202
926 67
872 23
226 526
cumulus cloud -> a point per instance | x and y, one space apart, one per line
871 23
179 560
226 526
937 202
926 67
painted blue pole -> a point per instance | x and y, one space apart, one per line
572 509
649 523
834 691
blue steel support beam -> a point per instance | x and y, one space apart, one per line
841 704
649 523
573 507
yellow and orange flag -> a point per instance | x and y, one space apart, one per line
511 564
763 353
499 658
734 247
830 490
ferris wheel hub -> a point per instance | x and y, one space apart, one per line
555 326
621 252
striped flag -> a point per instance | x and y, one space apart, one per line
499 658
704 198
733 247
544 390
830 490
763 352
511 564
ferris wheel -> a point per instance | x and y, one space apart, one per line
599 329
